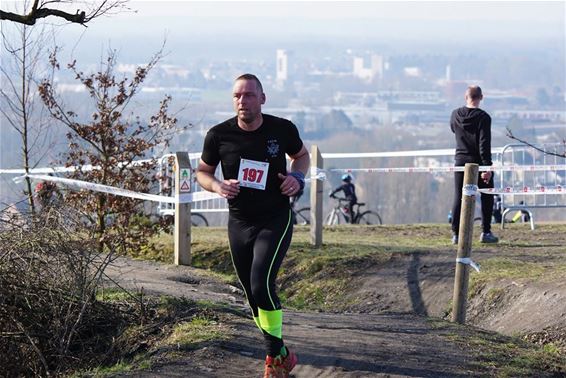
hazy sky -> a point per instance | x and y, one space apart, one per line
247 25
208 29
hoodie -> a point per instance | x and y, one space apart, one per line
472 129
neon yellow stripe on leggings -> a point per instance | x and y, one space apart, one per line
273 260
271 322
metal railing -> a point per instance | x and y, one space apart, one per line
525 155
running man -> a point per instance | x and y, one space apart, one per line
251 149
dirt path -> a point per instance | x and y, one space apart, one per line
329 345
388 331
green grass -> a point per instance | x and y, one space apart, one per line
200 329
139 362
114 294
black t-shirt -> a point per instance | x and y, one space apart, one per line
227 143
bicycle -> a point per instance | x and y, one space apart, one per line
303 215
197 220
340 213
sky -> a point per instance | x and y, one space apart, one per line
245 25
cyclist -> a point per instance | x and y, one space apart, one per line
349 190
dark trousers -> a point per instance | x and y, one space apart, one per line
258 248
486 202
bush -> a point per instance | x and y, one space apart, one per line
49 274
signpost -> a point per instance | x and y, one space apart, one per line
183 176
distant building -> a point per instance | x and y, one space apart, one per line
368 72
282 66
557 116
412 71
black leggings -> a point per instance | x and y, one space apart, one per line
486 202
258 249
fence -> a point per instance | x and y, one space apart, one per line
436 162
532 180
167 187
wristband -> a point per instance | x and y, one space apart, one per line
300 177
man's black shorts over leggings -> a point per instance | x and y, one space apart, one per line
258 248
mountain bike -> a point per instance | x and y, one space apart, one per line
341 214
303 215
197 219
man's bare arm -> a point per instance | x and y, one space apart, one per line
300 162
205 177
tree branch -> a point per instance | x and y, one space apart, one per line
510 135
35 14
43 9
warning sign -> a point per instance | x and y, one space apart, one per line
185 182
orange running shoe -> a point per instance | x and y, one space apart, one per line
280 367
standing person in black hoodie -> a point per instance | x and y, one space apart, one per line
472 129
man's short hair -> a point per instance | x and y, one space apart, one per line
474 92
253 77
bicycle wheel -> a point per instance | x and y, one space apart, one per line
332 218
198 220
303 216
369 217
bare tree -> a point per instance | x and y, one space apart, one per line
112 140
63 9
28 60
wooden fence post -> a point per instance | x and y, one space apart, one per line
183 177
465 236
317 187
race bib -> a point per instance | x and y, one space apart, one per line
253 174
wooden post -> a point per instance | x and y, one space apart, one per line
465 236
183 177
317 187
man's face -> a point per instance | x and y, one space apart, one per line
247 99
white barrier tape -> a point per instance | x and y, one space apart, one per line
317 174
483 168
525 190
85 168
183 198
468 261
469 190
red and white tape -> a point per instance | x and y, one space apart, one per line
526 190
483 168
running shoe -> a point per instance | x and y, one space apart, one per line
488 237
280 367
